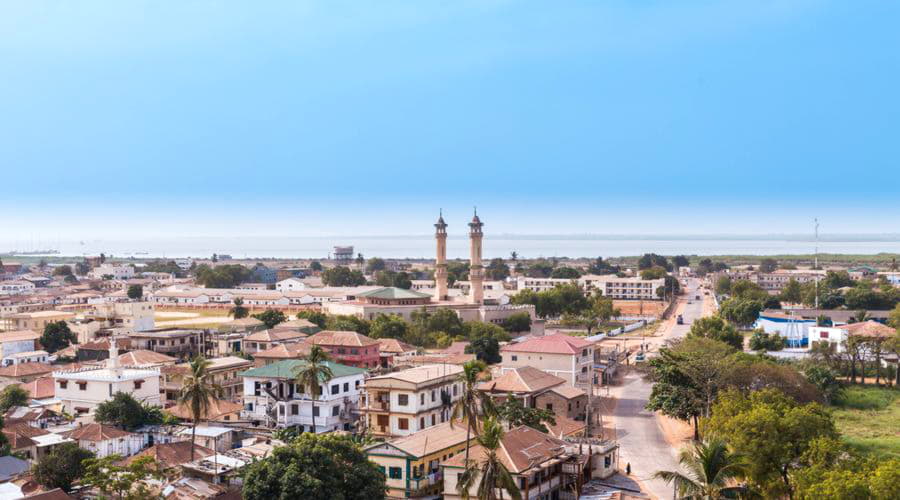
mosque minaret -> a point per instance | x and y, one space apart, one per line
440 268
476 269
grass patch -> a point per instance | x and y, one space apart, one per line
868 418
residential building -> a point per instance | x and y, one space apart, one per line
175 342
23 373
16 287
218 410
80 390
272 397
218 438
570 358
18 341
542 466
837 336
104 440
37 320
411 464
538 389
405 402
172 455
223 371
112 271
776 280
389 349
348 348
130 316
281 352
629 288
266 339
142 358
39 356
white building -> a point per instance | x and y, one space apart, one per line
793 328
105 440
17 342
81 390
290 285
272 396
16 287
118 272
26 357
614 287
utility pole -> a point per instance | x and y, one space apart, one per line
816 263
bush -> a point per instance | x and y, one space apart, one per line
762 341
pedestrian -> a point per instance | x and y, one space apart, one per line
628 469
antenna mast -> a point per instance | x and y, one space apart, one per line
816 262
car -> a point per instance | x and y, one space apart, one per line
679 320
640 358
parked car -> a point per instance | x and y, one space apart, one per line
679 320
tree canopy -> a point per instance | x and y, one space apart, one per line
56 336
127 413
342 276
62 466
314 466
716 328
271 317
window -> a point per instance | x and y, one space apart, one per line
515 358
432 419
432 396
454 389
381 468
295 409
335 411
346 386
403 399
422 423
422 398
357 384
584 352
336 388
315 411
82 386
403 424
63 384
395 473
138 384
550 406
281 409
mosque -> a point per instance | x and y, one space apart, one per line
469 307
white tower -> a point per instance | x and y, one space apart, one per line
476 269
440 268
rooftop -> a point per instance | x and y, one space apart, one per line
520 449
96 432
341 338
420 374
558 343
871 329
287 369
294 350
431 440
17 335
392 293
524 379
25 370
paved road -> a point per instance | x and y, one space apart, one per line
641 441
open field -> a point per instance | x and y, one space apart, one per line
869 419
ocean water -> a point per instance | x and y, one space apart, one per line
458 246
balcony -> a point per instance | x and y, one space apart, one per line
426 486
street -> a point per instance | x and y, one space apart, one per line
642 443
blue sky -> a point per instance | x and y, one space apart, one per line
309 118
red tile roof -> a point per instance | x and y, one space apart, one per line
872 329
25 370
170 455
285 351
340 338
96 432
520 449
526 379
559 343
40 388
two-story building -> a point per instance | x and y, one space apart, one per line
408 401
348 348
225 372
272 397
266 339
570 358
175 342
411 464
538 389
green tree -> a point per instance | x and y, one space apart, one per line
374 265
314 466
723 285
61 467
600 266
12 396
600 311
746 289
773 431
225 276
271 317
649 260
123 482
654 273
64 270
716 328
762 341
238 311
125 412
315 266
490 476
792 292
317 317
471 401
711 472
348 323
515 414
388 326
198 390
135 292
56 336
540 268
314 373
485 349
824 379
680 261
342 276
497 270
768 265
517 322
567 273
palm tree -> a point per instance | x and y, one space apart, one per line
711 472
493 475
471 401
239 311
313 372
861 316
197 392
